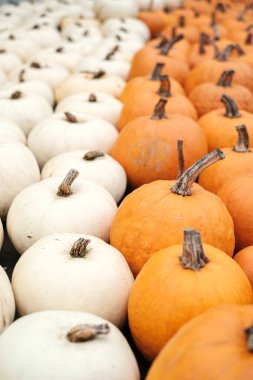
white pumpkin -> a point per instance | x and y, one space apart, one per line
76 272
97 81
21 45
44 35
60 346
11 131
25 110
7 303
92 165
53 206
9 61
90 34
126 49
18 169
133 26
97 104
65 132
115 8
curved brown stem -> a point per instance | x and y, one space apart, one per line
92 98
239 50
249 39
35 65
99 74
249 337
163 42
59 49
223 56
70 117
164 89
204 40
159 111
193 256
180 157
21 77
165 49
226 78
181 21
109 56
85 332
231 107
64 190
184 183
242 144
155 75
92 155
79 248
16 95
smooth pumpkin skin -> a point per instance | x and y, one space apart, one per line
152 218
236 193
211 346
147 148
165 295
245 259
235 164
220 130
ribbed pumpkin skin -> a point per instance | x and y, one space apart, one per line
211 346
236 193
245 259
235 164
147 148
152 218
165 295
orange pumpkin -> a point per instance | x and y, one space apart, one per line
236 193
245 259
215 345
142 104
219 127
151 217
190 32
207 96
180 50
177 284
155 20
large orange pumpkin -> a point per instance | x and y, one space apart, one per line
177 284
151 217
215 345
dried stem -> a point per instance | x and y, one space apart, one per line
242 144
79 248
226 78
64 190
70 117
16 95
180 157
165 49
92 98
193 256
249 336
155 75
231 107
92 155
159 111
164 89
109 56
85 332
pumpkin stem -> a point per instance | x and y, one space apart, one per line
109 56
70 117
155 75
159 111
242 144
216 33
16 95
223 56
35 65
64 190
180 157
220 7
164 41
169 45
193 256
231 107
181 21
204 40
249 336
248 40
79 248
239 50
184 183
2 51
85 332
226 78
92 98
165 86
21 77
92 155
99 74
240 16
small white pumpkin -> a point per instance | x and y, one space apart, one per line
11 131
98 104
52 206
9 61
21 45
60 346
63 132
18 169
44 35
76 272
133 26
90 34
25 110
126 49
92 165
97 81
115 8
7 303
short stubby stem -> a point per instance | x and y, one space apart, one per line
86 332
64 190
193 256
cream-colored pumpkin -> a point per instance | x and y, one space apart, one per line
7 303
92 165
9 61
111 66
88 34
44 35
20 45
98 104
53 206
11 131
126 49
18 169
48 342
65 132
25 110
97 81
115 8
131 25
76 272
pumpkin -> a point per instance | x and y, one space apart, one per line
52 206
219 127
77 259
9 61
44 35
92 165
20 44
114 25
190 32
70 343
67 131
119 8
236 194
11 131
244 259
218 339
207 96
146 147
180 50
168 207
175 281
239 160
155 20
7 301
